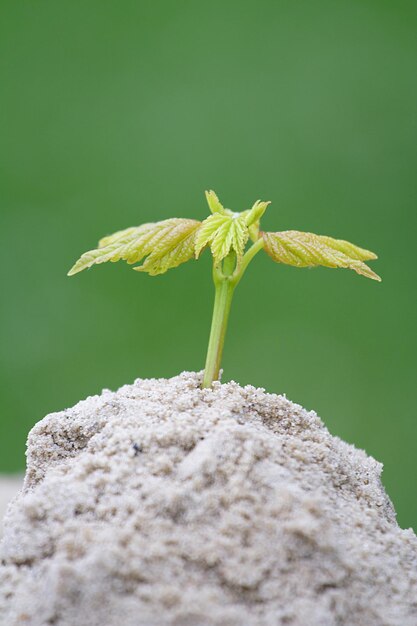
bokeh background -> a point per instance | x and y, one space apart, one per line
115 113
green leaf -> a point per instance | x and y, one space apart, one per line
255 213
223 233
177 247
253 217
214 203
167 244
306 250
208 230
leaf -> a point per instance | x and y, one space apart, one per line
176 248
255 213
253 217
225 230
208 230
306 249
223 233
167 244
214 203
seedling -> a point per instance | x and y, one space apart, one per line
234 239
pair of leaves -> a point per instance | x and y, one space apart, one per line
167 244
300 249
225 231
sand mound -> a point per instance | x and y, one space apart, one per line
164 504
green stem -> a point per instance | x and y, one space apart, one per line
248 256
225 286
225 279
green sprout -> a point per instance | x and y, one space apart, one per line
166 244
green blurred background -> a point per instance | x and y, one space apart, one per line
116 113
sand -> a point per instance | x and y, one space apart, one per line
164 504
9 486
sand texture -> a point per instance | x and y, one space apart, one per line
9 486
164 504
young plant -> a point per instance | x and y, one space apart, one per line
166 244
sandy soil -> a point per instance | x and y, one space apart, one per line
9 486
166 505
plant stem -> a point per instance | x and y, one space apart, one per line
247 258
225 286
225 280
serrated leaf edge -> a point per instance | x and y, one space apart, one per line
321 250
